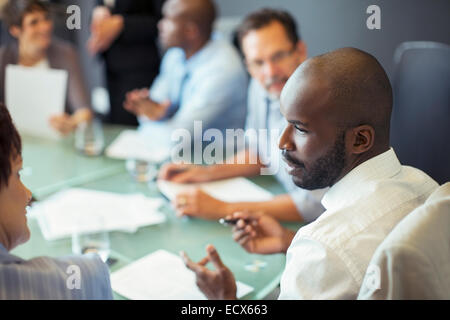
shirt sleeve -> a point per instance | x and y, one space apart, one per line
212 103
213 97
77 278
394 272
313 271
160 89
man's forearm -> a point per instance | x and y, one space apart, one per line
236 168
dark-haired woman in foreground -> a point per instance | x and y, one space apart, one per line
75 277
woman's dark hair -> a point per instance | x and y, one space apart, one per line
263 17
14 11
10 145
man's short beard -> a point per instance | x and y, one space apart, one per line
327 169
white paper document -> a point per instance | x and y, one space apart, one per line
229 190
81 210
161 275
131 144
33 96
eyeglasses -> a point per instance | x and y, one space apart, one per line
277 59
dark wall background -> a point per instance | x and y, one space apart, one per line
324 25
330 24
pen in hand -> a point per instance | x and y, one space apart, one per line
230 222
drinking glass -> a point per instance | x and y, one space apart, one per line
141 170
96 241
89 138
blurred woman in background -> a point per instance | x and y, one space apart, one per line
29 22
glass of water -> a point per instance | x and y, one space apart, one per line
89 138
95 241
141 170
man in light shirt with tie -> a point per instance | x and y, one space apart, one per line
273 50
202 78
338 106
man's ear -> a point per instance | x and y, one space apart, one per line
191 30
362 139
15 31
302 50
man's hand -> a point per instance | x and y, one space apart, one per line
63 123
260 233
185 173
139 103
197 203
105 28
216 284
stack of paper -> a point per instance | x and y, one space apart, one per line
80 210
131 144
161 276
230 190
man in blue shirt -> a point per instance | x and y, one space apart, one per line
77 277
201 78
273 50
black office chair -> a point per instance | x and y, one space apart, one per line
420 126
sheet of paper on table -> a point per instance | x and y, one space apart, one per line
131 144
81 210
33 96
161 275
230 190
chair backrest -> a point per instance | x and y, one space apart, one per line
413 262
420 127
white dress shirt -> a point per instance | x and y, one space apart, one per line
263 113
328 258
413 262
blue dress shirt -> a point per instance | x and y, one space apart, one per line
210 86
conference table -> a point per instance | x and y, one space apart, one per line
51 166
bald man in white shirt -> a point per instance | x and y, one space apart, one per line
338 106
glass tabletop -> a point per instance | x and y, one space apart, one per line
56 165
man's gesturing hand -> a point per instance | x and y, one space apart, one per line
216 284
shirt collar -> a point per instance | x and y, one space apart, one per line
6 257
197 58
267 97
351 186
3 249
